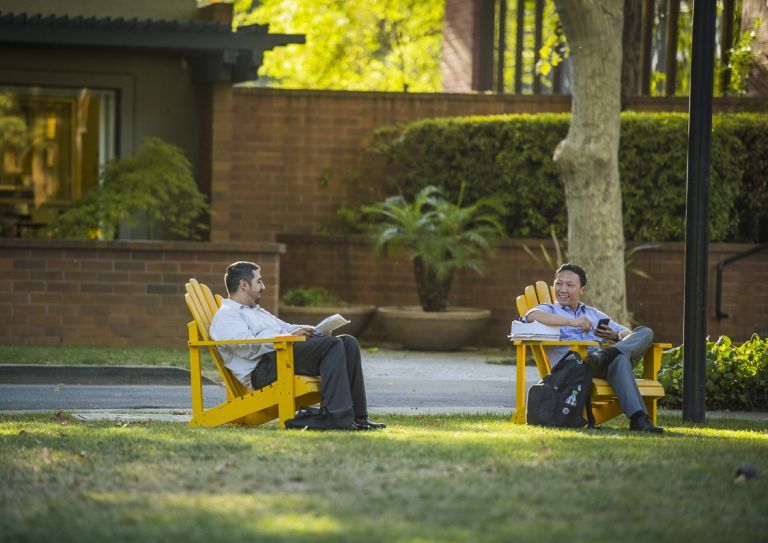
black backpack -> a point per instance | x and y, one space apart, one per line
562 396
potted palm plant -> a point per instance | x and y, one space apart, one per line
440 237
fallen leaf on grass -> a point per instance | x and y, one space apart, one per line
46 455
60 417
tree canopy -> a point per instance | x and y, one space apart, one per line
376 45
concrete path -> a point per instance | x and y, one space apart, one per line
403 382
396 381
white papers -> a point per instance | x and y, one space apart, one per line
534 330
329 324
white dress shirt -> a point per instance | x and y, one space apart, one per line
237 321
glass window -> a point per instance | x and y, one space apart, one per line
53 145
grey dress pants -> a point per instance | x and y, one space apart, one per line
337 360
620 372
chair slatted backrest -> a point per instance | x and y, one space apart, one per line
203 305
542 293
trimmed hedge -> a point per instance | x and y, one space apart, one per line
737 376
512 154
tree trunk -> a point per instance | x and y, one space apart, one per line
433 292
588 156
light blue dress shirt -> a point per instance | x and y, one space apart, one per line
237 321
574 333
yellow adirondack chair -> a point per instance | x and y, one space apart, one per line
605 405
278 400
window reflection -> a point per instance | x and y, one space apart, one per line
53 143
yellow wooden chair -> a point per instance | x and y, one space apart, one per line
605 405
278 400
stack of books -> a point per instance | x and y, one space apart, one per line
534 330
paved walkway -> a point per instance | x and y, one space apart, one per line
404 382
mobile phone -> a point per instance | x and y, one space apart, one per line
603 322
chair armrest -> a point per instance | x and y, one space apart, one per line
278 339
652 360
550 343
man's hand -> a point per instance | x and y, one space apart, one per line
306 331
605 332
582 322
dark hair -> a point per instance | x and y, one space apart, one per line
578 270
237 271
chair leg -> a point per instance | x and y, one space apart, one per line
286 403
651 406
195 373
519 416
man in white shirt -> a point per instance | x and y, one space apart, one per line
335 359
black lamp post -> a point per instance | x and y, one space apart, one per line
697 210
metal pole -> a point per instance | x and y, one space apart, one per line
501 47
519 46
670 64
697 210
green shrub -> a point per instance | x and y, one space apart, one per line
511 155
752 200
310 297
156 183
737 375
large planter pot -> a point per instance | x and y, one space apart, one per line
419 330
359 315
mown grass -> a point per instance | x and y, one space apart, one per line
424 479
97 356
105 356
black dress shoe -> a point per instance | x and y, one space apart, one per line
364 423
597 361
643 424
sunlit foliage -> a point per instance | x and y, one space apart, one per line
377 45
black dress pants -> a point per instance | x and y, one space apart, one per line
336 359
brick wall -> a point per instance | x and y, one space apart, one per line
113 293
131 293
296 155
347 266
283 161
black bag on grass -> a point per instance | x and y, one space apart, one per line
319 418
561 398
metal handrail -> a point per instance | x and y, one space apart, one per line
719 277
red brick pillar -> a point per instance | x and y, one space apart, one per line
751 10
458 45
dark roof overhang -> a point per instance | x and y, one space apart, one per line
214 51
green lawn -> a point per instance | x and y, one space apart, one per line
424 479
105 356
97 356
